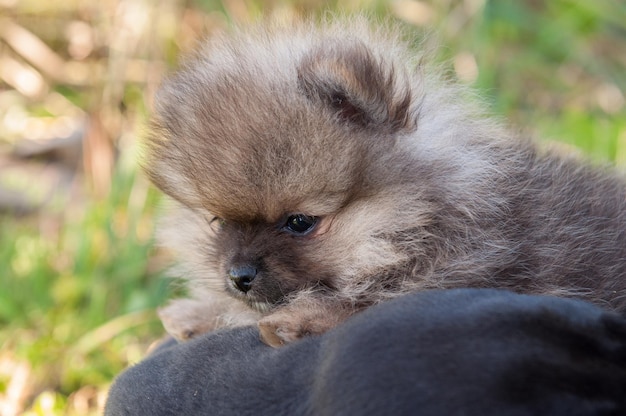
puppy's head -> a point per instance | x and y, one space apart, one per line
283 146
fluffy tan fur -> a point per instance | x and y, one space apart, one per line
411 185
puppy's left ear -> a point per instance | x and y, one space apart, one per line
359 87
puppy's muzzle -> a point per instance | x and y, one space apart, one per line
242 277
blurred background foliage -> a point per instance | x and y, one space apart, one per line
80 276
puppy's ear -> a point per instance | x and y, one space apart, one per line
357 86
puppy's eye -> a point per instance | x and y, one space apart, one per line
217 223
300 224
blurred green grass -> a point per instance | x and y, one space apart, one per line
81 278
72 303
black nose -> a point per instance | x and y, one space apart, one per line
242 277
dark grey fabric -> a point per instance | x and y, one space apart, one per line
454 352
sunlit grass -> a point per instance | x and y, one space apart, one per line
77 300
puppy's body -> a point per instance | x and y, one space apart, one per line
322 170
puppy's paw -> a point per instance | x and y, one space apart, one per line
289 325
186 318
277 331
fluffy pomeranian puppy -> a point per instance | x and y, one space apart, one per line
322 168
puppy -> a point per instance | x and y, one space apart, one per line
321 169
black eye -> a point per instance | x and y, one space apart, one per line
300 224
216 223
